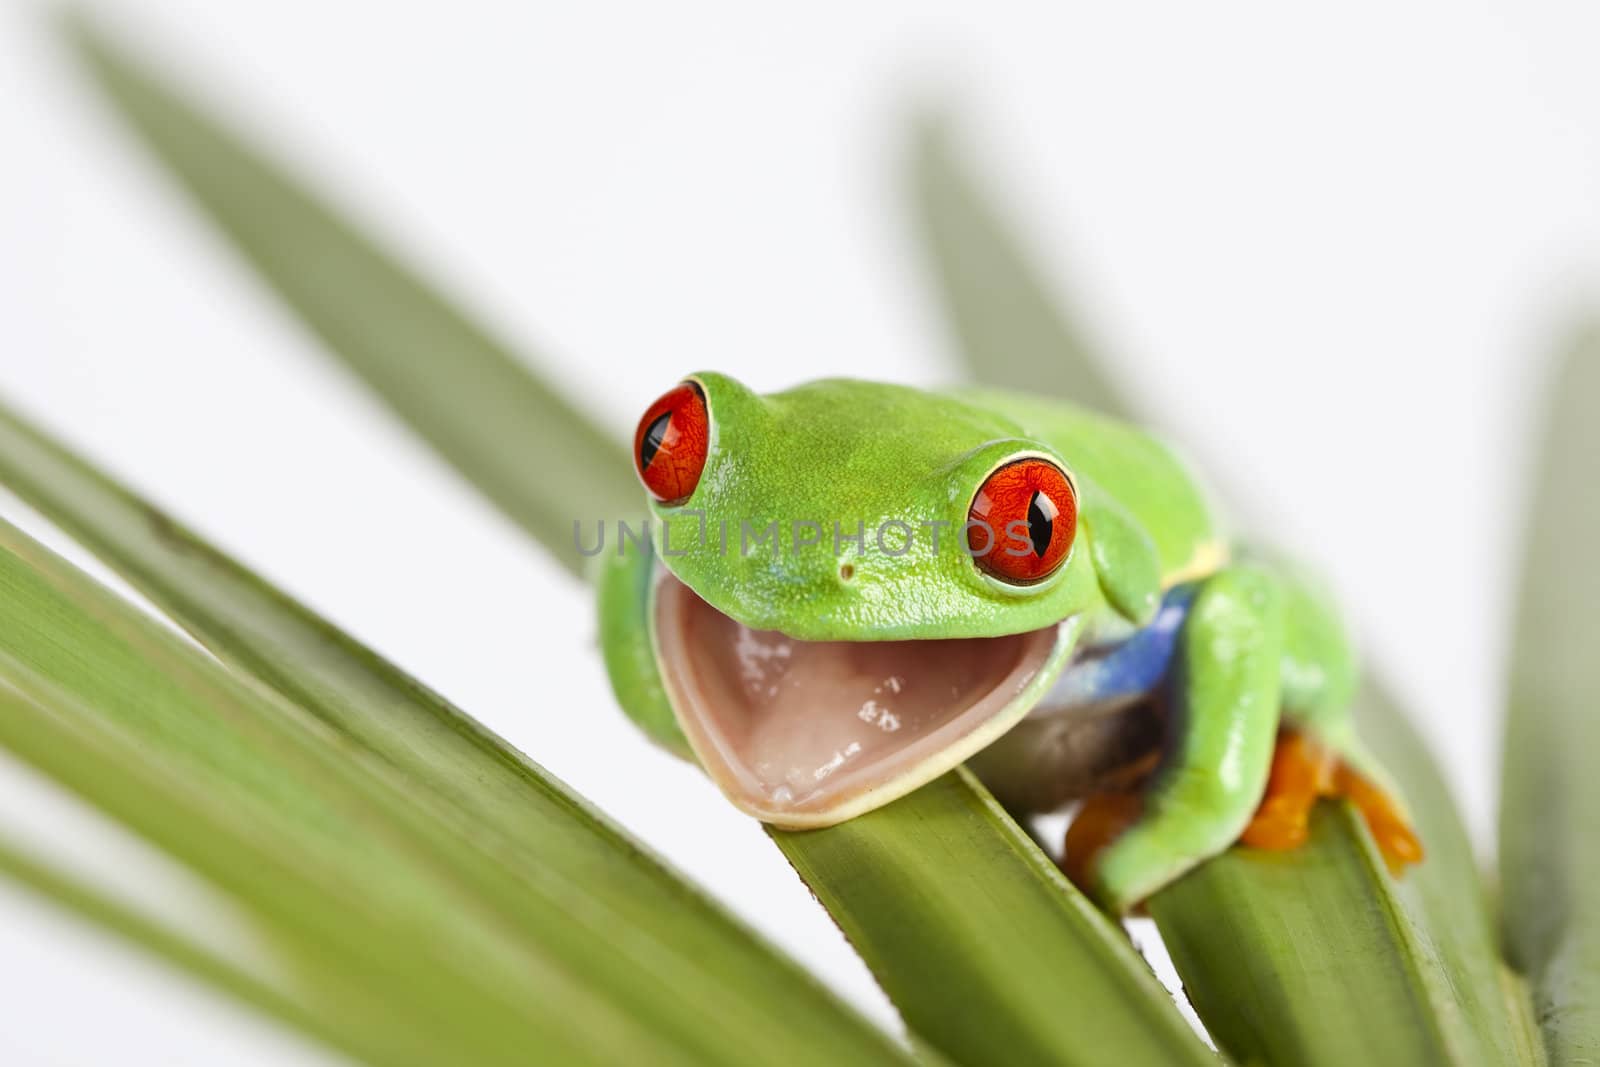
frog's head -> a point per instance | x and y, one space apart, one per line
862 585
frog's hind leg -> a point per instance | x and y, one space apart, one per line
1318 753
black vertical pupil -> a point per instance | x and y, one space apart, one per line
1041 522
654 435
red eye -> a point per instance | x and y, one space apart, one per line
669 447
1021 523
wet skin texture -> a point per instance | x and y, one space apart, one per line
810 622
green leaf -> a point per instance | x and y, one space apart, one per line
1254 1003
255 985
1451 912
395 921
946 877
1398 972
1344 955
386 324
1010 326
1550 819
674 945
238 186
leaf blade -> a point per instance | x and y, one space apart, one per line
1010 328
389 327
451 413
1550 814
1445 914
540 831
1414 961
953 878
1245 1005
100 909
154 734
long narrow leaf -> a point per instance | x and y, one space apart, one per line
1252 1002
696 952
348 885
387 325
1256 936
99 909
1242 926
320 838
1550 820
949 866
234 183
1012 329
1450 911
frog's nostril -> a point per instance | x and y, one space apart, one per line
847 571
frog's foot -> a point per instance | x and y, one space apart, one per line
1100 821
1385 818
1304 770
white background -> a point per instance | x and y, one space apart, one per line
1332 251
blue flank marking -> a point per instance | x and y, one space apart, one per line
1130 669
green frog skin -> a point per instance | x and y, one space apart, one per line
850 588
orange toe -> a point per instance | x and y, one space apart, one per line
1100 821
1390 828
1278 825
1302 771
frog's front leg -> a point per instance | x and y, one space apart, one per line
1224 718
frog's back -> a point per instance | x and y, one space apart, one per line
1144 474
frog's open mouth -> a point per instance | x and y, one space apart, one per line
810 733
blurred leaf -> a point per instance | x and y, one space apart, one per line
680 947
386 324
1449 911
1550 819
944 878
238 186
253 985
1326 929
402 927
1012 328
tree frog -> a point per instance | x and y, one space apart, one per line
849 588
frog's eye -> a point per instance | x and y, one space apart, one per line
669 447
1021 524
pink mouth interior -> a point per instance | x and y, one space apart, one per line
792 730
